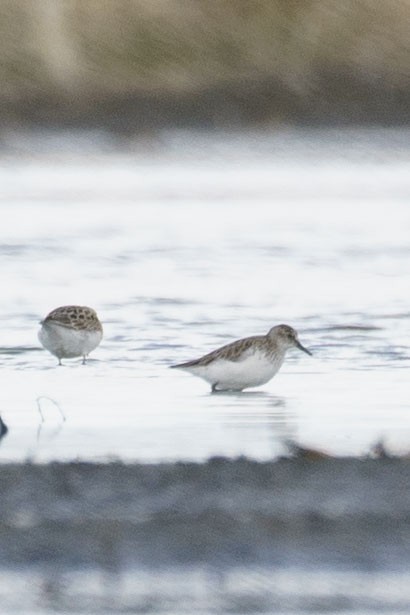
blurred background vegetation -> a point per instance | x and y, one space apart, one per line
135 64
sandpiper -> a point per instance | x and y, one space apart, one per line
248 362
71 331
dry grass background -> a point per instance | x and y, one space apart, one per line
250 59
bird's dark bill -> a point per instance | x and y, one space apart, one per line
299 345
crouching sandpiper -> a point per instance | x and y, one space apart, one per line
71 331
248 362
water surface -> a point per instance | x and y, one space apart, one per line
188 241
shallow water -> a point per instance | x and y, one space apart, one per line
185 242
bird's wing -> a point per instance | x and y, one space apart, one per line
235 352
62 318
72 317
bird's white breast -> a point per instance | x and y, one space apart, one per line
254 370
65 342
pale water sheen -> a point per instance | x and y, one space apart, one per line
185 243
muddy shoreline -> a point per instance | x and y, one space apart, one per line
203 64
339 100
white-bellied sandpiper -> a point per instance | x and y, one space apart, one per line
248 362
71 331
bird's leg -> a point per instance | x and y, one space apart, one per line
59 361
84 359
214 389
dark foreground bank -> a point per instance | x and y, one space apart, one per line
224 533
324 512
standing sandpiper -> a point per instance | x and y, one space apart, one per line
248 362
71 331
